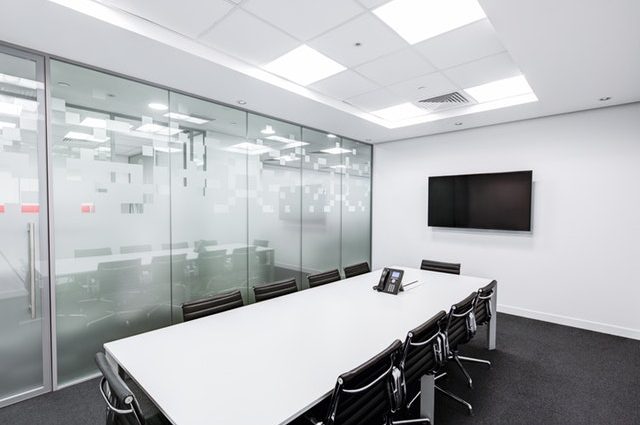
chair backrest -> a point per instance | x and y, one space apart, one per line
240 258
275 289
461 322
206 307
356 269
135 248
201 244
261 242
423 351
92 252
363 395
439 266
323 278
175 245
483 304
122 406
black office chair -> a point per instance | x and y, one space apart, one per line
206 307
122 406
439 266
424 353
460 329
356 269
275 289
323 278
367 394
483 314
92 252
135 248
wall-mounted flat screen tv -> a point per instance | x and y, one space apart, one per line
500 201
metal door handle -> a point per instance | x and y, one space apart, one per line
32 269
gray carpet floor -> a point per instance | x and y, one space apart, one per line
542 374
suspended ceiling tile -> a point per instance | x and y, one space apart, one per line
246 37
376 99
304 19
424 87
481 71
376 40
461 45
398 66
344 85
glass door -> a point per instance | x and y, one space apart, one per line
25 353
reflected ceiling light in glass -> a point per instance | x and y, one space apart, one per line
4 124
76 135
287 158
10 109
335 151
249 148
158 106
267 130
188 118
158 129
291 143
332 136
400 112
20 82
304 65
94 122
418 20
500 89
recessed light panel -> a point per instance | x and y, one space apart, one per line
94 122
335 151
291 143
418 20
400 112
304 65
158 106
249 148
500 89
76 135
188 118
158 129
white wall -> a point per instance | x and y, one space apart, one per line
579 265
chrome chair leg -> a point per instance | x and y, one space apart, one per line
475 360
456 398
464 370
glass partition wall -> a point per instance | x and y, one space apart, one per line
158 198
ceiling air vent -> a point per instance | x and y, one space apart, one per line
444 101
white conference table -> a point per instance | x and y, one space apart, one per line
268 362
71 266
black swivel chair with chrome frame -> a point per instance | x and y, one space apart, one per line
367 394
356 269
439 266
275 289
217 304
460 329
122 406
483 314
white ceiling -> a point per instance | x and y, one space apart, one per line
572 53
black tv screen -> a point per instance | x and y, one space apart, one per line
500 201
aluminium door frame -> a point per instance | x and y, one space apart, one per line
44 237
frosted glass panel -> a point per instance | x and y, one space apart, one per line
274 200
209 199
356 205
321 202
22 203
111 146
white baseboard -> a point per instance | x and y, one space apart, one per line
571 321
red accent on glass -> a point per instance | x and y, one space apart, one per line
1 208
30 208
87 208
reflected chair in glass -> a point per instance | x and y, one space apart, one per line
135 248
439 266
323 278
261 242
120 282
212 274
217 304
356 269
91 252
368 394
167 280
275 289
202 244
460 329
240 266
122 406
175 245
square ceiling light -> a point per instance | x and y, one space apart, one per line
304 65
500 89
400 112
249 148
418 20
